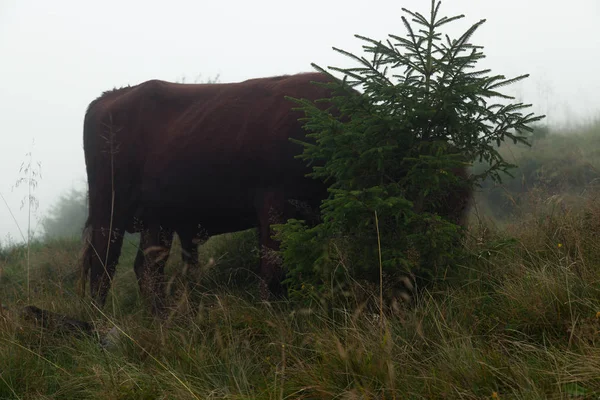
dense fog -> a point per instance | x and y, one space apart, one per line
58 56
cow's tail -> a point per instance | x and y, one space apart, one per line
85 258
89 145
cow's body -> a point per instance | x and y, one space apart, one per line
164 157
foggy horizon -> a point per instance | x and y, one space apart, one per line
61 55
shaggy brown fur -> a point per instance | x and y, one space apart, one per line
172 156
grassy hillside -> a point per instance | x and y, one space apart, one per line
519 319
563 164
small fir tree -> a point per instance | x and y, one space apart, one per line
396 155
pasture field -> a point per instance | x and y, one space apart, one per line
518 319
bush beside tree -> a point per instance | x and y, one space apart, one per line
67 216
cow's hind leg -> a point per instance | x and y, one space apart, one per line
155 246
104 251
190 239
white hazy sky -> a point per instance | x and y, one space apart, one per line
56 56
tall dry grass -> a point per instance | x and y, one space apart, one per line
519 319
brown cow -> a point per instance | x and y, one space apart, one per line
173 156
